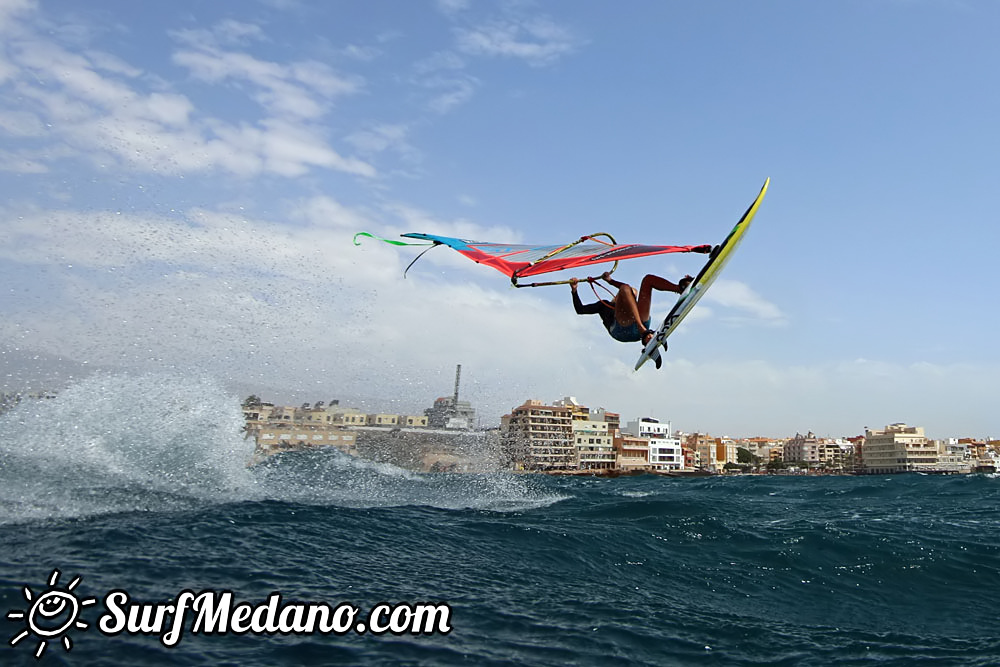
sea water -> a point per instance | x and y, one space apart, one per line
141 485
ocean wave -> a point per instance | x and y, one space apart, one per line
114 443
330 477
161 442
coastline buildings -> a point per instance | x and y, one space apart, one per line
441 439
566 437
810 451
282 428
712 453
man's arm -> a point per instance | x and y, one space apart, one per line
611 281
579 306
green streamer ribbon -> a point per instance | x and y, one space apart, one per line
390 241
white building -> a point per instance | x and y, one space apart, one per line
665 452
595 447
898 448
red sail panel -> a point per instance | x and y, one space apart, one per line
526 260
606 254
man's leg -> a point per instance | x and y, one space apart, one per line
649 283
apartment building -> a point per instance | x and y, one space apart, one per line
632 452
535 436
811 451
665 451
612 418
704 448
898 448
595 448
805 450
576 409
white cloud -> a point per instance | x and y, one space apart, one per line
537 41
21 162
381 137
22 124
449 92
443 75
360 53
289 149
741 298
222 243
325 213
95 105
442 60
231 31
76 75
110 63
452 6
299 90
282 5
9 9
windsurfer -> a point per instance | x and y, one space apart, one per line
627 316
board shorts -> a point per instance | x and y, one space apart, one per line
628 334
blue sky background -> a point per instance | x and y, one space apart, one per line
181 181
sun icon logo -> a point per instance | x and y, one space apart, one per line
51 614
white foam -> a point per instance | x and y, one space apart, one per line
122 442
162 442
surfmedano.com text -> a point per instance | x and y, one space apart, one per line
215 613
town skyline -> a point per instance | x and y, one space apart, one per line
567 437
26 373
347 404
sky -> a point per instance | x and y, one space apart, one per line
180 184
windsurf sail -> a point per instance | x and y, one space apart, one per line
520 261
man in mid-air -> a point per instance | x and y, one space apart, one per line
627 316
